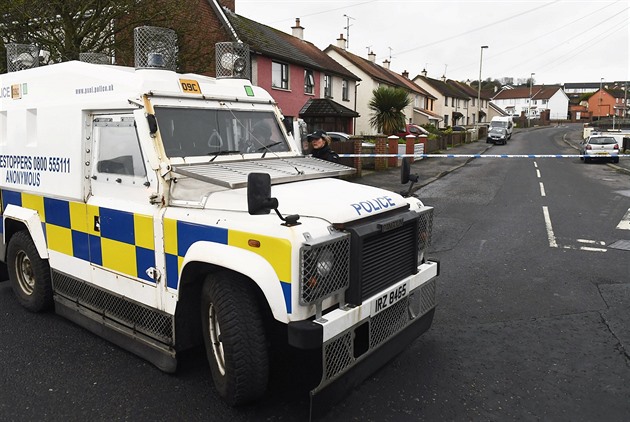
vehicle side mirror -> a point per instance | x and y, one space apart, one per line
259 200
406 176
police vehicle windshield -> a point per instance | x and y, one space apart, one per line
190 132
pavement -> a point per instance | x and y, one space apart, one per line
431 169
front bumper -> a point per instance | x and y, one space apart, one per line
355 341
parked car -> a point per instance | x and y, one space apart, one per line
458 129
600 147
411 129
338 136
497 135
341 136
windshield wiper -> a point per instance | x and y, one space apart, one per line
266 148
216 154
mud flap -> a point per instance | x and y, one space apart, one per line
329 392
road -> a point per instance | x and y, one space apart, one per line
532 321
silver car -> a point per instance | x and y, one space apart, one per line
600 147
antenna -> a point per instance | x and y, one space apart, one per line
390 53
369 48
445 67
347 28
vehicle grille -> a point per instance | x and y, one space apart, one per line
386 251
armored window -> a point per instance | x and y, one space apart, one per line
118 149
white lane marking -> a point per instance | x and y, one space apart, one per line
535 164
585 248
624 224
550 235
592 242
538 173
542 189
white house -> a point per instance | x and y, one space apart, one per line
517 100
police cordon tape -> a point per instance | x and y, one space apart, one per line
481 155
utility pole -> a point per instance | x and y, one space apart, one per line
347 28
529 104
479 86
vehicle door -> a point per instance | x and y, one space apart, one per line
120 215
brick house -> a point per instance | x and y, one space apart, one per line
305 82
607 102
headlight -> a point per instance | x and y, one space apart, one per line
325 263
324 267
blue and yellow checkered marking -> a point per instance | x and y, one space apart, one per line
180 235
124 243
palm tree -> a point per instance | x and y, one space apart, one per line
387 105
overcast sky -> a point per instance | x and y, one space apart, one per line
559 40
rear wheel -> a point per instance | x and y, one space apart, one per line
235 338
29 274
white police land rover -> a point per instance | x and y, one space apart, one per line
164 211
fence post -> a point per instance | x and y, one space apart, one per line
392 148
358 161
424 140
410 141
380 163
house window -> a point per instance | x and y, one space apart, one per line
446 120
344 90
446 101
453 102
309 81
473 101
280 75
327 86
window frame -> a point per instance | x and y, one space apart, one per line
284 75
309 76
328 85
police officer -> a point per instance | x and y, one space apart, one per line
321 148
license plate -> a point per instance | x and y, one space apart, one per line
602 153
389 297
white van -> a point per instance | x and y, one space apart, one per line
503 122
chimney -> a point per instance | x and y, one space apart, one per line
298 31
341 42
228 4
424 73
468 82
405 74
386 64
372 56
443 78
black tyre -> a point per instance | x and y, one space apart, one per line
29 275
235 338
615 160
586 160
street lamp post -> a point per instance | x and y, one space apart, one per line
479 86
529 104
599 108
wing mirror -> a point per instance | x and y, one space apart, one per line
259 200
406 176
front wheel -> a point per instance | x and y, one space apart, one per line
29 274
235 338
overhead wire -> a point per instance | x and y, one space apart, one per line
492 55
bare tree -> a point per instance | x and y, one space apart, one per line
65 28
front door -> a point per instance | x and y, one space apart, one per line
120 216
